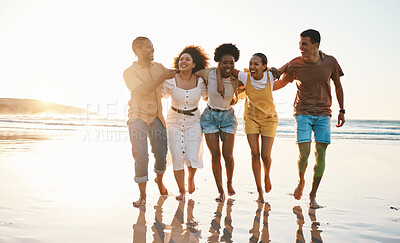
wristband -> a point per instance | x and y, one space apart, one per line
342 111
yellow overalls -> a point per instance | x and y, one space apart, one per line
260 115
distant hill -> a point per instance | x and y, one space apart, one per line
10 106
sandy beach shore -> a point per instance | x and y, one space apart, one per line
79 188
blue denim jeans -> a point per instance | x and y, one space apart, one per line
139 131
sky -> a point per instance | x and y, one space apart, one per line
74 52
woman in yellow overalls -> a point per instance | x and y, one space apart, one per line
260 117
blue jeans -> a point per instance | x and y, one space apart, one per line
321 125
139 131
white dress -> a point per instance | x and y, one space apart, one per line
184 131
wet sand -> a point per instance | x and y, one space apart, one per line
79 188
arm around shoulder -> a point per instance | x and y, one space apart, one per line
203 73
279 84
145 89
286 77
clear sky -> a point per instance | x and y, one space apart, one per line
74 52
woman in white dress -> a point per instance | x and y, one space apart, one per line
183 120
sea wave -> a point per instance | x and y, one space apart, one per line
353 129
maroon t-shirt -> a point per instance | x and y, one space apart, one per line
313 84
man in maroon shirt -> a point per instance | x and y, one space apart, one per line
313 73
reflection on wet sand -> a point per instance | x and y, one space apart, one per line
255 231
158 226
14 141
315 231
175 232
216 223
180 230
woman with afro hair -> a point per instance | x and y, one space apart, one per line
183 120
218 120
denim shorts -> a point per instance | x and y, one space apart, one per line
321 125
212 121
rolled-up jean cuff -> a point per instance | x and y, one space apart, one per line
142 179
304 141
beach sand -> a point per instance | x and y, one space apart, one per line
78 187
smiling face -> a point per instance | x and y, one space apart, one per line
146 51
227 64
307 49
186 62
256 67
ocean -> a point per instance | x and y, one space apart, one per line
97 127
73 175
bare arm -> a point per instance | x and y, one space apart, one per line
282 81
340 98
203 73
283 69
275 72
235 73
279 84
147 88
220 85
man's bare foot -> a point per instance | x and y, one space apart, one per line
268 185
140 202
161 187
181 196
298 192
221 197
231 192
191 186
313 203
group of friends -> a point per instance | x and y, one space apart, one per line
191 79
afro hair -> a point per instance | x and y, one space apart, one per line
199 56
224 49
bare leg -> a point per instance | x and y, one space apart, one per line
255 163
319 168
212 141
191 185
228 141
302 161
160 184
142 199
180 180
266 148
